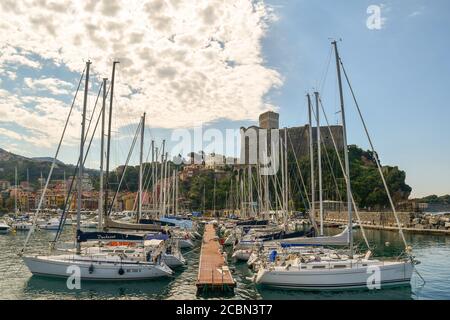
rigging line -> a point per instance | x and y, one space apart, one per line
323 80
125 169
93 110
299 170
52 167
146 178
376 159
344 174
69 195
331 168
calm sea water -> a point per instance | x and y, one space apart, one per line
16 282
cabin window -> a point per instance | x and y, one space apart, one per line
318 267
340 266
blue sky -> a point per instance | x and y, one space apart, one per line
400 74
251 62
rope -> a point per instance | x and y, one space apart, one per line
345 175
376 160
125 169
41 200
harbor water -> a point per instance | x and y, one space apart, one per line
16 282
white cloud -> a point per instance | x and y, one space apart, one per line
183 62
52 85
16 59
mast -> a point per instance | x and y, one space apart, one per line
173 192
153 173
28 186
214 200
162 178
311 158
81 165
286 180
204 198
65 186
165 183
102 151
250 190
108 147
141 158
344 139
319 156
15 191
176 192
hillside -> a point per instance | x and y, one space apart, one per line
35 166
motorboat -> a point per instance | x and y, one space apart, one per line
4 228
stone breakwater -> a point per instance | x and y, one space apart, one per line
410 221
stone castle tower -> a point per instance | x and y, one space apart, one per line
298 137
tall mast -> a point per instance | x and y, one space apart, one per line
162 178
108 148
204 198
173 192
311 158
165 183
214 200
102 151
286 180
65 187
155 203
344 139
319 156
153 173
250 189
81 165
176 192
141 159
28 186
15 190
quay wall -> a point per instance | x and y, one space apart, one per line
413 220
374 218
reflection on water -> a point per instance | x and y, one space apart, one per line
48 288
17 283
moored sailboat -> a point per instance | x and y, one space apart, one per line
94 266
331 271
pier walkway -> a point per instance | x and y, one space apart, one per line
213 272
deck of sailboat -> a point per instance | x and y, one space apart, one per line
213 272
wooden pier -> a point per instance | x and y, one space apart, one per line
213 271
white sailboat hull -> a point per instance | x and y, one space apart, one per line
242 254
341 239
185 243
22 226
392 273
94 269
173 261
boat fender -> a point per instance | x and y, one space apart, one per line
121 272
91 269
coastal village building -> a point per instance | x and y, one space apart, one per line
4 185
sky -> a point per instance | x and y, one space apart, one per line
219 64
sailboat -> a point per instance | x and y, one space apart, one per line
314 271
98 265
